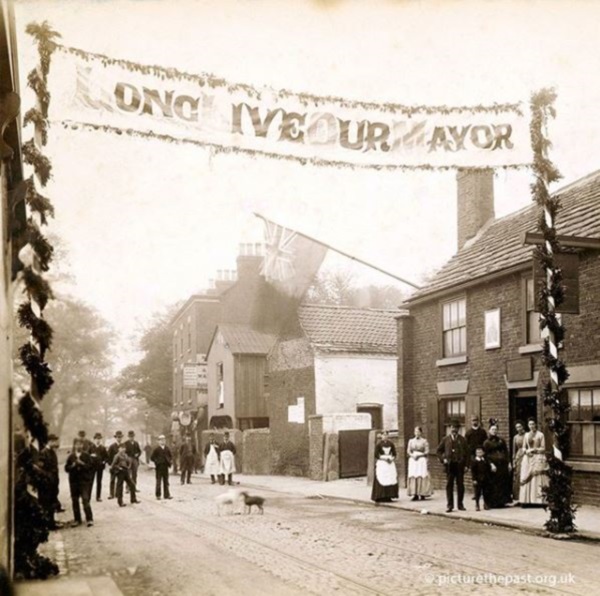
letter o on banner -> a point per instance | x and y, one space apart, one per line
488 138
323 129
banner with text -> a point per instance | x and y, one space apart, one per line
117 96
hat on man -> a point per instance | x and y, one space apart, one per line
81 433
161 436
118 434
52 437
131 434
97 436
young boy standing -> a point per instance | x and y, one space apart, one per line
480 472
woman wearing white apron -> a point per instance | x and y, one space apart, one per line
211 459
385 481
227 463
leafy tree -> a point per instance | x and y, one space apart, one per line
339 287
151 378
80 358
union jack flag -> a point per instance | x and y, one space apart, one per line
278 264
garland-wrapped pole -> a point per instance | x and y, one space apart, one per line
559 492
32 522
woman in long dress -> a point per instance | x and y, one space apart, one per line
496 452
518 452
385 480
534 467
419 482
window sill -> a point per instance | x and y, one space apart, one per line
584 466
530 349
451 361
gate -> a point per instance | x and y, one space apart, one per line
353 452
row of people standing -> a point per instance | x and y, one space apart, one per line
496 478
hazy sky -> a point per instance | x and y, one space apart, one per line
149 223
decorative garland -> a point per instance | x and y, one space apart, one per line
31 523
559 492
217 149
212 81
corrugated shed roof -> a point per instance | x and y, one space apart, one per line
241 339
500 246
344 328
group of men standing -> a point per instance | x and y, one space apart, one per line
457 453
86 463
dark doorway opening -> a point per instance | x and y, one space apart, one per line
523 405
376 414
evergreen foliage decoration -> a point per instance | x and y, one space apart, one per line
32 525
38 203
559 492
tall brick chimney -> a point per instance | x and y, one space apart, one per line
249 260
475 204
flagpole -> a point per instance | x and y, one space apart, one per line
345 254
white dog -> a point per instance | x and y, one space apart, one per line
231 497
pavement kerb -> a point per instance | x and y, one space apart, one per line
578 536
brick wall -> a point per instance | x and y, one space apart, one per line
315 448
257 451
289 440
422 346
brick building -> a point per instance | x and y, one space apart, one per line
233 298
451 364
329 360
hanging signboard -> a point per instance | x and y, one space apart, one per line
194 376
102 93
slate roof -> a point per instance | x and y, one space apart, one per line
242 339
343 328
500 246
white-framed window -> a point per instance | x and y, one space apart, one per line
454 327
452 409
532 325
584 422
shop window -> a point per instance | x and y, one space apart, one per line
584 422
454 325
452 409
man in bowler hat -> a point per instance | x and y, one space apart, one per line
453 453
133 450
112 452
79 467
99 455
48 498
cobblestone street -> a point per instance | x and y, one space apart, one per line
308 545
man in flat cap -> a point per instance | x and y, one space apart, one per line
133 450
112 452
99 455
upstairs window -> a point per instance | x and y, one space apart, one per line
533 334
454 326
